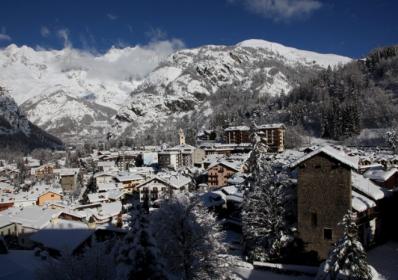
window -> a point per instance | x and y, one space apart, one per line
314 219
327 234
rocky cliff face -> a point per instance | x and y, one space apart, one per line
17 132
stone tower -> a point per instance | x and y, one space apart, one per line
182 137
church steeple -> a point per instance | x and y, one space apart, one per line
182 137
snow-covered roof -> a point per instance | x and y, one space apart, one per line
106 164
367 187
35 217
102 187
178 180
239 128
361 203
379 174
235 165
333 153
5 220
269 126
109 210
126 176
62 235
67 171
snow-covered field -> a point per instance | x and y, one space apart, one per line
384 259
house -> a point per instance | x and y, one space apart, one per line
7 227
382 177
219 172
128 181
48 195
63 237
43 171
104 178
30 220
328 186
106 166
158 188
68 178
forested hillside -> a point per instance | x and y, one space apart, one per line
339 103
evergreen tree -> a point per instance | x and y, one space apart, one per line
190 239
265 230
347 259
137 256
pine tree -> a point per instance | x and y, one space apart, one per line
137 256
190 239
265 230
347 259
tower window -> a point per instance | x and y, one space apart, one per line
314 219
327 234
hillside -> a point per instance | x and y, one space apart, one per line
17 132
340 103
190 85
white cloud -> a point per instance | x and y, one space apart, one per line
281 9
128 63
45 31
3 35
64 35
112 16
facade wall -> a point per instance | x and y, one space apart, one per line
323 198
237 136
69 183
275 138
11 229
50 196
218 175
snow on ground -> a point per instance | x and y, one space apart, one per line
19 265
384 259
256 274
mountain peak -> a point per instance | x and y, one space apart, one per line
296 55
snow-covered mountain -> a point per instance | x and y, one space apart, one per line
16 131
70 91
185 80
75 93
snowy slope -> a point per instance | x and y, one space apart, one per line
95 86
183 83
295 56
70 92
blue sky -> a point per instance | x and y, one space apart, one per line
346 27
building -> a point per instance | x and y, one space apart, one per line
162 188
237 134
43 171
328 187
275 134
220 172
68 178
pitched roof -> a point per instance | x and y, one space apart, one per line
361 203
272 125
367 187
331 152
63 236
379 174
234 165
